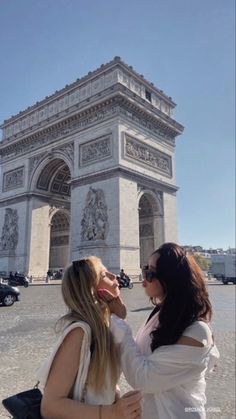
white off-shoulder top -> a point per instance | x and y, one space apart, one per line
172 377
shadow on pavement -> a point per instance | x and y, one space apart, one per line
142 309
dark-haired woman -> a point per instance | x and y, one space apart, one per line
175 347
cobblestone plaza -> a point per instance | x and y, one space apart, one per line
27 332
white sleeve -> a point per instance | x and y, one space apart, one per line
159 371
167 367
201 332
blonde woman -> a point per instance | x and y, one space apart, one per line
81 372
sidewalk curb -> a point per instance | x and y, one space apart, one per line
40 283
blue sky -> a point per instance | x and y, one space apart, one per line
185 47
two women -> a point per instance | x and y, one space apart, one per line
175 347
80 375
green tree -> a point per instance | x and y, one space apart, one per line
203 262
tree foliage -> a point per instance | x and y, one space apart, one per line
203 262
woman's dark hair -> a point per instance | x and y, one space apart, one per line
186 297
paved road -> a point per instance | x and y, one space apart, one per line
27 332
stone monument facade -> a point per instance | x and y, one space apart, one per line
89 170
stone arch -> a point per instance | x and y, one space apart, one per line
50 203
150 223
43 168
155 199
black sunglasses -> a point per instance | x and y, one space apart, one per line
78 264
148 275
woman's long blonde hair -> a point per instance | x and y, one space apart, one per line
79 291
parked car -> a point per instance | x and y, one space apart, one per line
18 279
8 294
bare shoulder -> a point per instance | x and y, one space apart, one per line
188 341
74 337
64 366
68 353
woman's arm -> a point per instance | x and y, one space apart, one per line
55 402
160 371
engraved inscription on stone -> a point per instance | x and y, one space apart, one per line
147 155
95 217
95 150
13 179
9 237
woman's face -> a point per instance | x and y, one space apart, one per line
108 282
153 289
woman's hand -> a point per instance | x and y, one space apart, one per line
115 304
129 406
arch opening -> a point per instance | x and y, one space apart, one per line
55 178
59 241
50 220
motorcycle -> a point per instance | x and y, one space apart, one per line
17 280
124 282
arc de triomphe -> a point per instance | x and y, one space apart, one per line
89 170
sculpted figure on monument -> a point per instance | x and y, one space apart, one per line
95 219
9 238
13 179
95 150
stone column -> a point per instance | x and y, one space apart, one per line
129 227
39 238
158 227
170 222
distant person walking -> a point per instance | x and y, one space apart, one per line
49 276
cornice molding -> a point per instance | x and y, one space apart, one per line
94 100
118 104
116 63
27 196
126 173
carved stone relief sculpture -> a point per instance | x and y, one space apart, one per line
9 237
95 217
148 155
68 151
13 179
34 161
95 150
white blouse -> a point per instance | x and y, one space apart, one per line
171 378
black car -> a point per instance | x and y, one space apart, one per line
8 295
18 279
